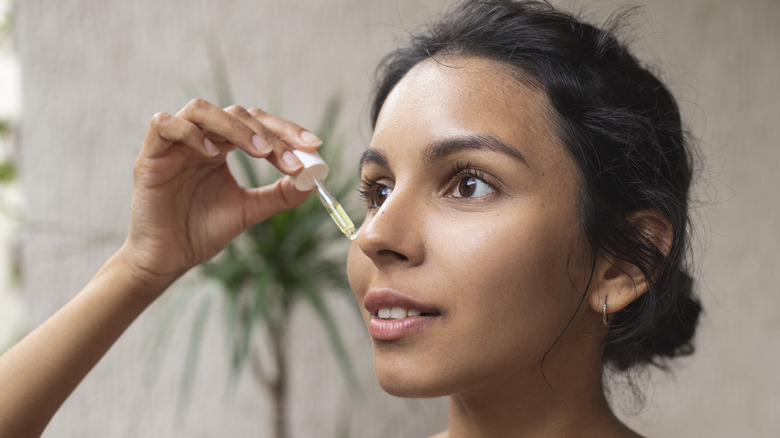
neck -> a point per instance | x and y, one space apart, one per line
560 406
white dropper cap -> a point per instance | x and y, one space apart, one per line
314 172
314 168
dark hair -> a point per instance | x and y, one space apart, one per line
621 126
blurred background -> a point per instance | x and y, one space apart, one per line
81 79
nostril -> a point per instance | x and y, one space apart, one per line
391 253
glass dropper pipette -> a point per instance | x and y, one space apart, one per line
314 172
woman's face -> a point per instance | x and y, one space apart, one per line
465 262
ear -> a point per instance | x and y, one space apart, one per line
618 282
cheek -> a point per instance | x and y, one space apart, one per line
507 249
512 272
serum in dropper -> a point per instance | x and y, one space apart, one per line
314 172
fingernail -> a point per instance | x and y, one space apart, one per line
310 138
261 145
210 148
291 160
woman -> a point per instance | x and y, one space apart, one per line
526 228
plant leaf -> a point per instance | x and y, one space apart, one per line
193 348
312 296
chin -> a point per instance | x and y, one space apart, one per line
407 381
406 388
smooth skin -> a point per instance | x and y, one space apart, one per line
472 211
186 208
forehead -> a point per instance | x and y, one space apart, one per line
454 96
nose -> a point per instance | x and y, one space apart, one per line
393 235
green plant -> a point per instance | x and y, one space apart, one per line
7 167
291 258
7 172
6 24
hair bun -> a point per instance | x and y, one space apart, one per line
668 335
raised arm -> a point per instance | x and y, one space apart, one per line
186 207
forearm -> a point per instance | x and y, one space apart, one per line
186 208
40 372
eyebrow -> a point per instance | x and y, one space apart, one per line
448 146
375 156
441 149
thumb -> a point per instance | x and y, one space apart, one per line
264 202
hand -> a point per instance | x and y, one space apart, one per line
187 205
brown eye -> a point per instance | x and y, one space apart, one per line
471 187
377 195
467 187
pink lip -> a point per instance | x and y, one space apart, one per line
377 299
390 330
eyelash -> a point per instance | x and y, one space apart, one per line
366 184
459 170
465 169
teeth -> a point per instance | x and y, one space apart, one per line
397 312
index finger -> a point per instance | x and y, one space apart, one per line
213 119
282 135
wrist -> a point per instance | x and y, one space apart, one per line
138 278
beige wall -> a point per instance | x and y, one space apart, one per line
94 72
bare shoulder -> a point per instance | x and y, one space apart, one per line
624 433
